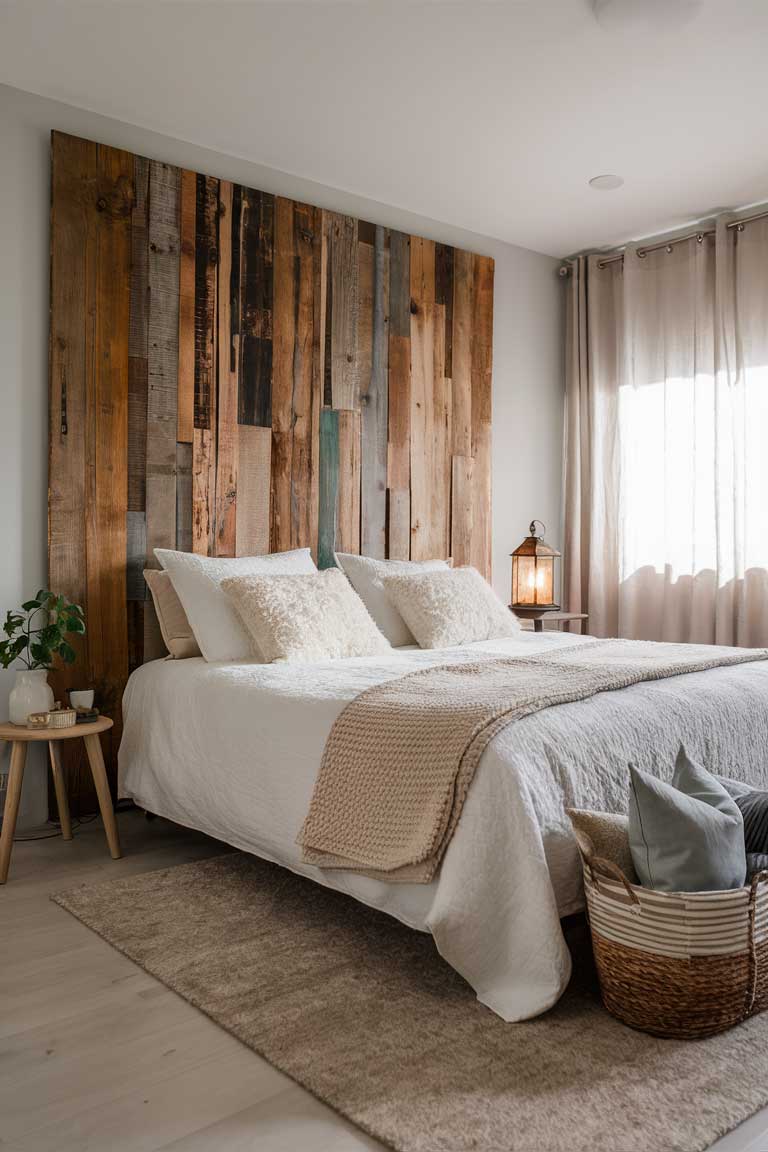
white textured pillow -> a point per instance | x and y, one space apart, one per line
443 609
365 575
301 619
212 617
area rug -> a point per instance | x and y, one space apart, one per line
365 1014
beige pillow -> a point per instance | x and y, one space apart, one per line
174 625
449 607
303 619
604 834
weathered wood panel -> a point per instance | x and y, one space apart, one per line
94 192
187 261
399 524
138 337
440 512
461 374
348 509
204 432
163 358
422 270
444 262
266 376
345 306
329 487
227 347
482 357
258 212
253 499
283 344
462 503
374 403
306 394
184 497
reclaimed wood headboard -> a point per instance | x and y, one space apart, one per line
231 373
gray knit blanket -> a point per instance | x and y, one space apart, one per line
400 758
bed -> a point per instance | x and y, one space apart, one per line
233 750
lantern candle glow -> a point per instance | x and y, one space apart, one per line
533 572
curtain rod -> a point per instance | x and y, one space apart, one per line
667 245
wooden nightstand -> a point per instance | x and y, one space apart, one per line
19 737
539 616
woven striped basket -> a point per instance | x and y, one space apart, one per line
681 964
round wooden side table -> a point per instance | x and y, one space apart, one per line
19 737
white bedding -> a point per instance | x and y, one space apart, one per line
233 750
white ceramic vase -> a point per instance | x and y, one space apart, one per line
30 693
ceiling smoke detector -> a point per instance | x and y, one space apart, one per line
606 183
647 16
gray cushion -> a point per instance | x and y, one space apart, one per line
753 805
687 836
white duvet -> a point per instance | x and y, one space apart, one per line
233 750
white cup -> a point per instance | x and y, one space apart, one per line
82 699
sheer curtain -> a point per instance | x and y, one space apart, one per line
667 441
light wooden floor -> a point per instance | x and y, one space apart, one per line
96 1055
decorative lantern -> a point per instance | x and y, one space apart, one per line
533 572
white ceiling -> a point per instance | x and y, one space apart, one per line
490 115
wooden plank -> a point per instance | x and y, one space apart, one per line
329 487
344 289
422 374
462 503
203 492
253 490
206 258
135 634
163 358
422 270
399 524
440 489
461 374
138 335
444 260
187 257
327 311
73 230
204 432
374 409
184 497
399 397
348 511
107 318
400 284
227 344
364 351
283 342
255 403
482 357
136 557
306 394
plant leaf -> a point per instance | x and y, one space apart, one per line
30 605
67 652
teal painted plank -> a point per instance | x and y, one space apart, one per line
329 487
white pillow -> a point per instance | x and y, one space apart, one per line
457 606
365 575
212 617
302 619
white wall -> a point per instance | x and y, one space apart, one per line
528 346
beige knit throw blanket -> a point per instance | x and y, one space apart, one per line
401 756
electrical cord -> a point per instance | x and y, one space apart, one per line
77 823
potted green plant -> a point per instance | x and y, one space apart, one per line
33 636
